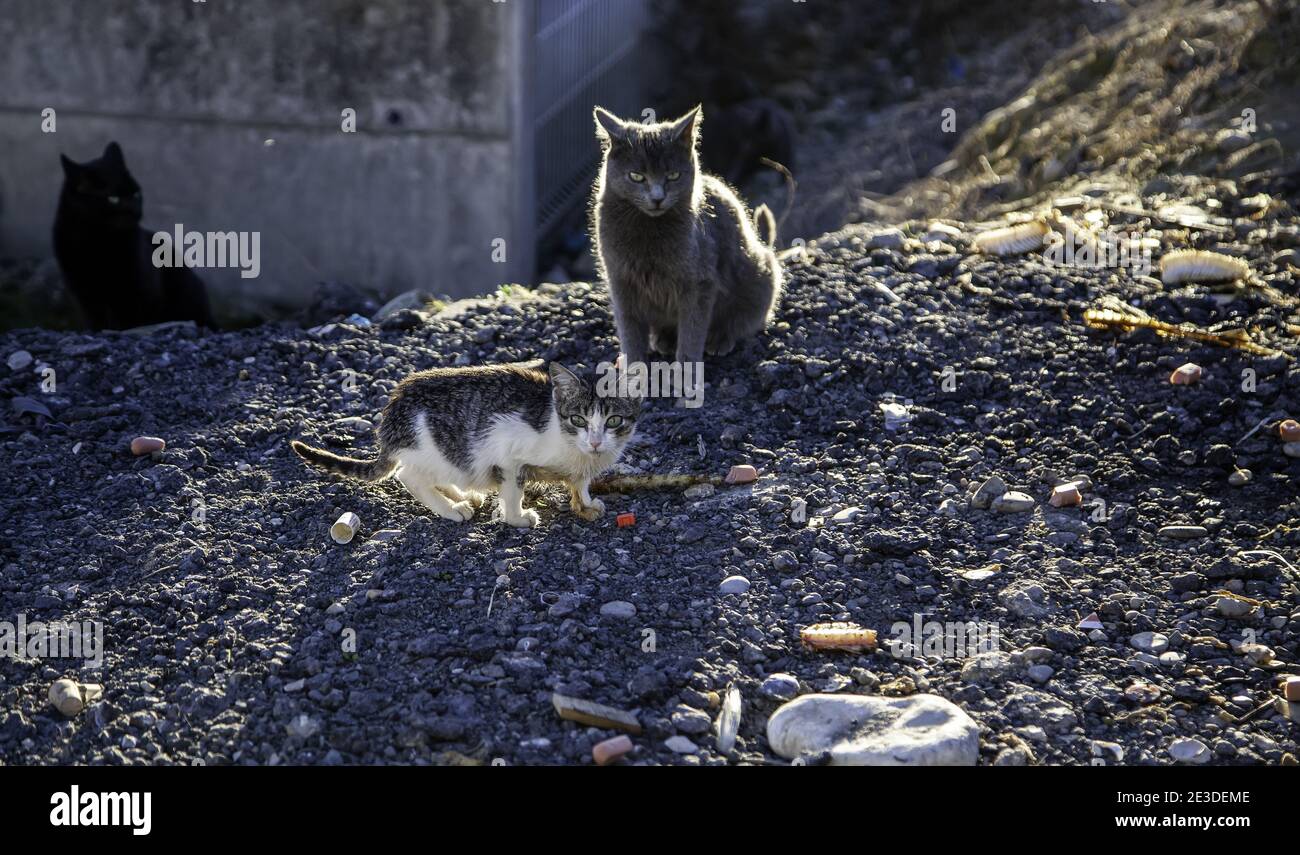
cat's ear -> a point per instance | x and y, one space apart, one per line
564 380
71 169
686 128
608 126
113 156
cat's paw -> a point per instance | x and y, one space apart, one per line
720 348
663 343
475 498
464 510
528 519
591 512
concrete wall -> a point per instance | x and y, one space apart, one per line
194 90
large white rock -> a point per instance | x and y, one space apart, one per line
857 730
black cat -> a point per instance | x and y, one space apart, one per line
107 259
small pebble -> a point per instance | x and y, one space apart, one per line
680 745
1189 751
143 445
1186 375
780 686
1065 495
618 609
1013 502
742 474
610 750
734 585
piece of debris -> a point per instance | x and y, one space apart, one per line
1065 495
1112 313
633 483
70 697
897 416
1092 621
1012 240
742 474
729 721
838 636
625 520
1183 532
610 750
143 445
1291 689
1289 430
1186 374
1195 265
345 527
596 715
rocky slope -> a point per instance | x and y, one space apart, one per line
237 631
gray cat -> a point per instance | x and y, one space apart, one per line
688 271
451 433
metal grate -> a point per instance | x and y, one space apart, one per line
585 52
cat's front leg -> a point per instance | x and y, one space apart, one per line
633 330
511 500
693 321
581 502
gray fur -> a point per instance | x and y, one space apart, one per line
687 268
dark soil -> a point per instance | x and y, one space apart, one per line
230 639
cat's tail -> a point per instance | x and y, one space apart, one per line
791 190
366 470
766 225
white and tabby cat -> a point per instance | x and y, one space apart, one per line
450 434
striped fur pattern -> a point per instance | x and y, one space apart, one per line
452 434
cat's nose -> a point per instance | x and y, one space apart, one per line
596 443
657 194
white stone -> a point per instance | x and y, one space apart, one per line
1150 642
1189 751
1013 502
680 745
857 730
734 585
991 489
618 609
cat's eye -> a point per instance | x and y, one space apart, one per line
113 200
673 176
614 422
577 421
636 176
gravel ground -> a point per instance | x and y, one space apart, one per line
238 632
